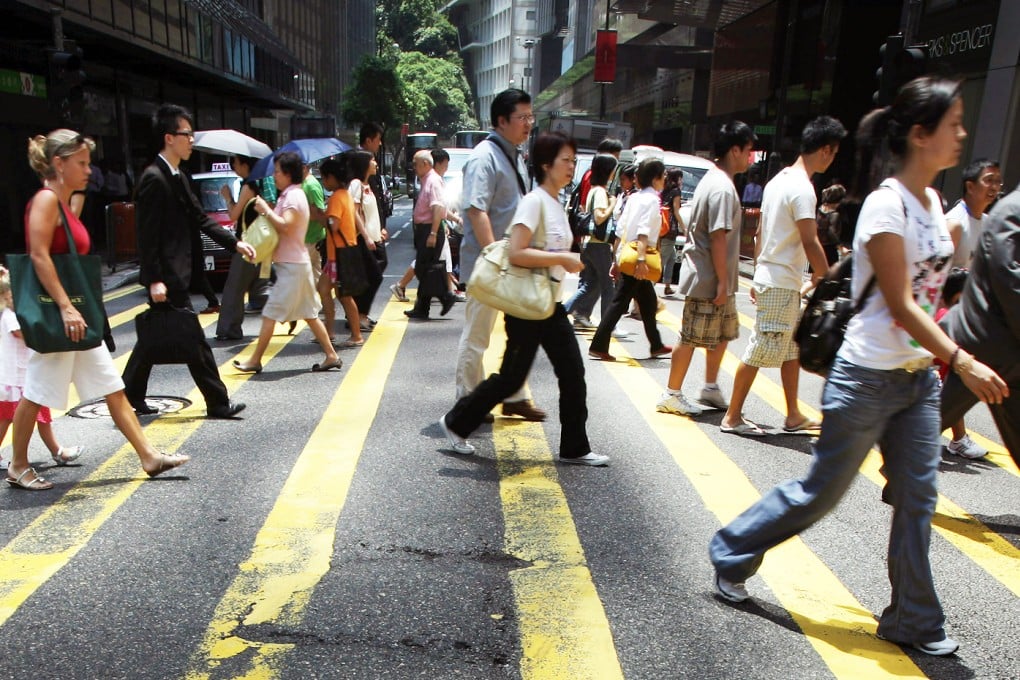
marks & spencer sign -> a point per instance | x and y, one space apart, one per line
958 34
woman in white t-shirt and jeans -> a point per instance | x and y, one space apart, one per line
882 388
553 157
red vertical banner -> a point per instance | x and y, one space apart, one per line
605 56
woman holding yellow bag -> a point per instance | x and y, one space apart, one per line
639 265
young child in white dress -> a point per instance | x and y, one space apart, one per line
14 356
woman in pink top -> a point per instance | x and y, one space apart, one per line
293 295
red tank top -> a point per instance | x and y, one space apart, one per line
59 243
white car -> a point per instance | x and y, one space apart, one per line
454 177
694 168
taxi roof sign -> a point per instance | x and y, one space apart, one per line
221 167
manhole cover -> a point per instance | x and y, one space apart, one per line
97 407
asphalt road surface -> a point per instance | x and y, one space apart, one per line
327 533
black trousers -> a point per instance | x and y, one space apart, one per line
629 289
957 400
423 256
201 364
364 301
555 336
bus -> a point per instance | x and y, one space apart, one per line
415 143
469 139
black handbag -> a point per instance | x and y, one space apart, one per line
168 335
351 276
42 325
823 323
431 274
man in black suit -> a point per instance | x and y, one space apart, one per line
986 322
168 219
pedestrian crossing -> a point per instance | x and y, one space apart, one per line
565 629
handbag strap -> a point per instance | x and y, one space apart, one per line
72 247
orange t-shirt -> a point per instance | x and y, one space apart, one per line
340 214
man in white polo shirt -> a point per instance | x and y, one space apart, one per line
788 241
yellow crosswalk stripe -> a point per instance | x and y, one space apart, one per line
565 633
292 550
834 622
53 538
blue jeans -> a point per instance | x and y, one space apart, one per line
595 282
900 412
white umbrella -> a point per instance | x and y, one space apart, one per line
231 142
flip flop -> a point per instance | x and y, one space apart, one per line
63 456
348 344
319 368
744 429
806 424
37 483
168 462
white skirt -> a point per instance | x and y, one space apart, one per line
293 297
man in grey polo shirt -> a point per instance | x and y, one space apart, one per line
495 180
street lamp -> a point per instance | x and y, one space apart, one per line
529 44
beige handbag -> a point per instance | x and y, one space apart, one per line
260 234
518 291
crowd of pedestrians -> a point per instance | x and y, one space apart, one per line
882 389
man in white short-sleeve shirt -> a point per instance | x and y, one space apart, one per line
982 182
787 243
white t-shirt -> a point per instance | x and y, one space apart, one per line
14 355
641 217
873 339
788 197
539 207
362 195
971 232
714 206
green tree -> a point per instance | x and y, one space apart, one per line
437 38
436 93
376 93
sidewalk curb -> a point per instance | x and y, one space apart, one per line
124 275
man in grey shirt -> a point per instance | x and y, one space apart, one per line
495 180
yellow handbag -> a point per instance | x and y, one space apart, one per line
260 234
629 260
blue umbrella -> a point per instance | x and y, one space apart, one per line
310 150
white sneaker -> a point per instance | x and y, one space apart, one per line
943 647
457 443
712 396
590 459
584 323
677 404
399 293
728 590
620 333
965 447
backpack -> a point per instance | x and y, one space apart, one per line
823 323
580 220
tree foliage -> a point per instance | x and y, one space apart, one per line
436 94
376 93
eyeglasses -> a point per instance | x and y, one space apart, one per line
524 117
190 134
992 180
569 159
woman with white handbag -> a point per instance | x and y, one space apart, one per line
540 238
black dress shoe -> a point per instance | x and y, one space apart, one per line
144 409
411 314
229 337
229 411
447 302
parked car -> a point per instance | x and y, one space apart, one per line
207 187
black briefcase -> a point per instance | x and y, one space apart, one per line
168 335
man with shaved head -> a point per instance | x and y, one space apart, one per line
428 215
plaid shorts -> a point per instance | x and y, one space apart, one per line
706 324
771 344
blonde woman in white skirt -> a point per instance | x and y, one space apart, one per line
293 295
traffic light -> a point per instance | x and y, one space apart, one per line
900 65
66 82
